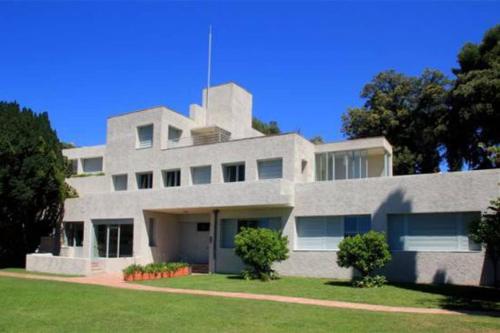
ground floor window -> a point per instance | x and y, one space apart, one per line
326 232
114 240
230 227
73 233
431 232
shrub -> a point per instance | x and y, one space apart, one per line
131 269
365 253
259 248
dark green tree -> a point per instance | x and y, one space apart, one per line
317 140
32 187
270 128
474 119
409 112
486 231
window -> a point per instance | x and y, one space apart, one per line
203 226
230 227
270 169
174 134
151 232
145 180
120 182
431 232
172 178
341 165
326 232
201 175
145 136
74 166
234 172
114 240
73 233
93 164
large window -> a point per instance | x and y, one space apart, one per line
230 227
152 232
234 172
114 240
201 175
144 180
341 165
93 164
172 178
269 169
120 182
326 232
174 134
73 233
431 232
145 136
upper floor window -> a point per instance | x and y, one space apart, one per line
145 136
172 178
201 175
144 180
120 182
174 134
341 165
269 169
234 172
93 164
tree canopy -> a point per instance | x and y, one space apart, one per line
32 187
270 128
409 112
475 104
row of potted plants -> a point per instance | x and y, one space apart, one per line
153 271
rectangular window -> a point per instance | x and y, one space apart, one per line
230 227
145 180
203 226
326 232
201 175
172 178
145 136
151 232
234 172
270 169
431 232
174 134
74 166
341 165
73 233
120 182
93 164
114 240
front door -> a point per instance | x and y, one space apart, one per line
195 242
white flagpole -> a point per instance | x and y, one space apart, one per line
209 64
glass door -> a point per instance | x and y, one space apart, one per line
113 241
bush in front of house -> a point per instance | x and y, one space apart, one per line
152 271
365 253
259 248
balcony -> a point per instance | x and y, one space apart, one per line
201 136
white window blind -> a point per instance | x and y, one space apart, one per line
201 175
319 232
145 136
93 164
120 182
270 169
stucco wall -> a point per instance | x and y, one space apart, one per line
47 263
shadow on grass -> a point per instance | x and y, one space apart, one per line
235 277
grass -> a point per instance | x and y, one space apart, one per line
48 306
24 271
413 295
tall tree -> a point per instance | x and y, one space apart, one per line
474 118
270 128
409 112
32 187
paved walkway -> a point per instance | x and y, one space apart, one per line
116 281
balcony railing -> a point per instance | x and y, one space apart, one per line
202 136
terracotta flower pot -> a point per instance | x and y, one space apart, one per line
138 276
128 277
165 274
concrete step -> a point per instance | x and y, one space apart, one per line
199 268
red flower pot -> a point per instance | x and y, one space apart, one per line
138 276
128 277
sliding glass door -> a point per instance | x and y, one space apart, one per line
113 240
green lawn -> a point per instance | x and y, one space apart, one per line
47 306
429 296
24 271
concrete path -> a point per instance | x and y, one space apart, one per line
116 281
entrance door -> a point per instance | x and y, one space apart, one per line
113 240
194 242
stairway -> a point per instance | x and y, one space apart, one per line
199 268
96 268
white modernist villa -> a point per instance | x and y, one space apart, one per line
167 187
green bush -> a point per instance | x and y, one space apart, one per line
259 248
365 253
131 269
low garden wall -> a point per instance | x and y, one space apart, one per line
48 263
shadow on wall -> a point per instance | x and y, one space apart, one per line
403 266
487 276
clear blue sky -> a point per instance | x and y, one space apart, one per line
305 63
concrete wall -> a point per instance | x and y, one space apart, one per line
47 263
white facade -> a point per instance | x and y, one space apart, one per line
178 188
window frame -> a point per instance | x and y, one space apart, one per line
176 178
270 160
240 176
138 136
193 169
113 180
85 159
140 174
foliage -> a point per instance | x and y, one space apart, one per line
158 267
475 104
486 231
131 269
365 253
409 112
270 128
369 281
318 139
32 187
259 248
88 174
